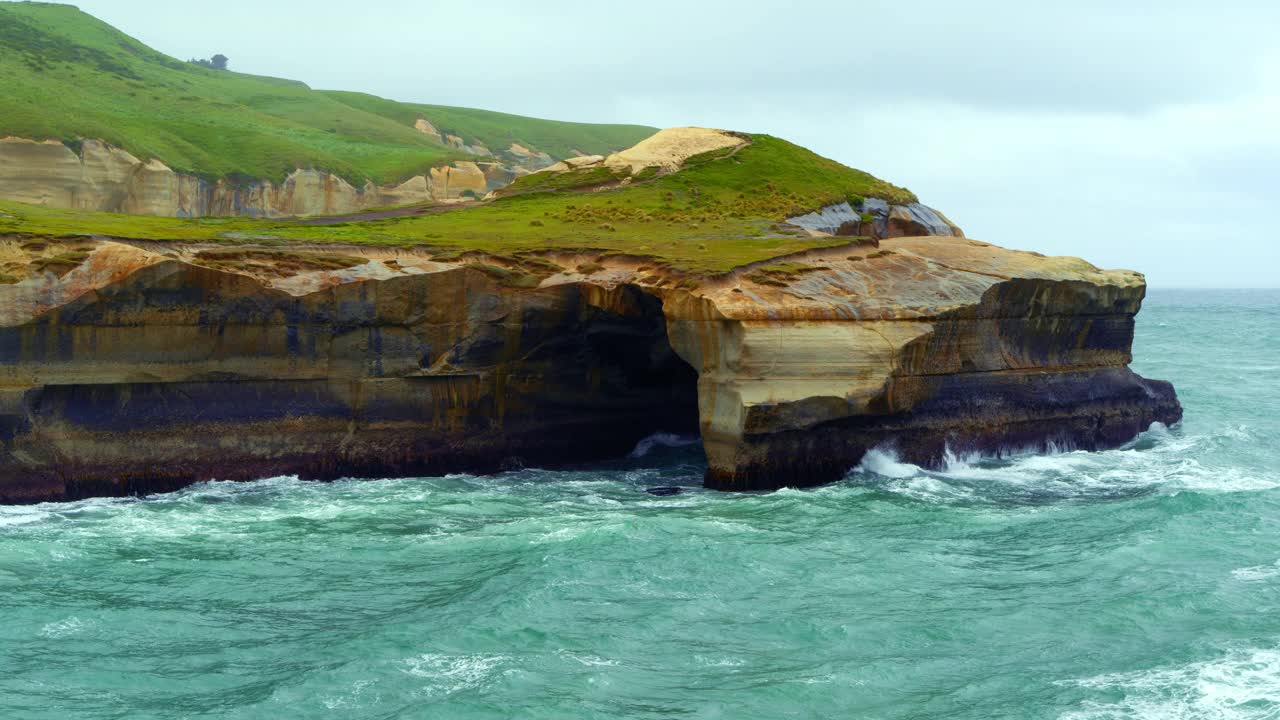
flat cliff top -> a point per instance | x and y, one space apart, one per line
66 76
900 279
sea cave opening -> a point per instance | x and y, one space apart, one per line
633 383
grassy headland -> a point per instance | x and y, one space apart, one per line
65 75
718 214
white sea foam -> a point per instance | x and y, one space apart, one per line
885 463
1257 572
647 445
17 515
351 700
719 662
449 674
14 516
564 534
588 660
65 628
1242 685
925 487
1158 458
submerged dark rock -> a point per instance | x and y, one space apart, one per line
665 491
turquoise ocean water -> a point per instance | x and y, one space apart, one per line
1138 583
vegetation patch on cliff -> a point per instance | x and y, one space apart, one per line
60 264
274 263
779 274
572 180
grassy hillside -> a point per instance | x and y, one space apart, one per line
718 213
497 131
66 75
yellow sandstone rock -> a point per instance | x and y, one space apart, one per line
426 128
669 148
107 179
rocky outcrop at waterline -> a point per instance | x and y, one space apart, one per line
99 177
926 344
136 367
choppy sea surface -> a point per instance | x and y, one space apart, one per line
1142 582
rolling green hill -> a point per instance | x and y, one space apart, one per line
497 130
66 75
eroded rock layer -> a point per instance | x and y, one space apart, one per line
129 368
103 178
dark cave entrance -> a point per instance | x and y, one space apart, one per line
609 379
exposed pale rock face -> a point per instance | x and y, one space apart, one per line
457 143
49 173
426 128
876 218
138 371
461 180
669 148
500 175
533 160
107 179
406 193
583 161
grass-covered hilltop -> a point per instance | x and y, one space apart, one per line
67 76
713 214
701 202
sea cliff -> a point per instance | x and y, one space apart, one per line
132 367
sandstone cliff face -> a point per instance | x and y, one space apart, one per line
144 368
667 150
927 344
107 179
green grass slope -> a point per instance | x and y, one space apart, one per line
66 75
497 131
718 213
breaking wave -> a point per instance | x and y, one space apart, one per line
1241 685
1160 460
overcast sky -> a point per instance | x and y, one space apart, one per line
1142 135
